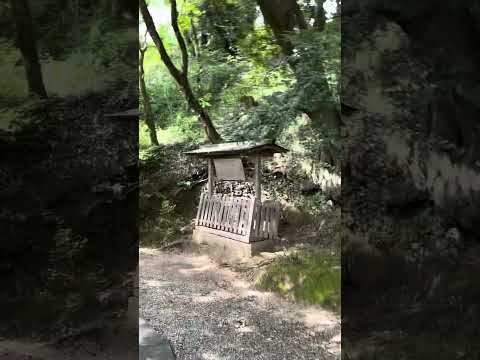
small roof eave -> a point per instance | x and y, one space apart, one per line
237 148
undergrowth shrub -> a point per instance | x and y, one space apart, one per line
163 171
310 275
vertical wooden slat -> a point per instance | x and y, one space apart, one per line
241 221
218 223
238 211
234 217
277 218
209 213
228 207
258 209
265 222
229 215
217 213
231 218
239 216
260 221
250 220
205 211
214 210
223 212
246 214
274 220
202 211
210 177
246 208
220 211
258 178
199 210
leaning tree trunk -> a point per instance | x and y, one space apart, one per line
180 76
147 107
26 42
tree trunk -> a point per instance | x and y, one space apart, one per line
195 37
212 135
191 44
320 18
147 107
281 16
26 42
76 21
181 77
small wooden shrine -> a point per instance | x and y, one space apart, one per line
242 225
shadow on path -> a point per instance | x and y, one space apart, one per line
153 346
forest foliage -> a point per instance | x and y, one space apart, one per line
241 77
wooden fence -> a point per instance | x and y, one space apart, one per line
240 218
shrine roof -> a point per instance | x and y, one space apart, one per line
267 147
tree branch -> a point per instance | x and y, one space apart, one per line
320 17
158 42
180 39
181 77
143 44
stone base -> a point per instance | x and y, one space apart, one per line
223 246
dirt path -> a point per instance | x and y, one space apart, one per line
208 312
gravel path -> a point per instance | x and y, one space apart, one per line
209 313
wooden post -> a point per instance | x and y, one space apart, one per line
210 177
251 213
258 178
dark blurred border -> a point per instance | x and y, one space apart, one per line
69 174
410 187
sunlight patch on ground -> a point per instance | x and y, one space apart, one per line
317 318
334 344
240 284
189 272
156 283
149 251
211 356
246 329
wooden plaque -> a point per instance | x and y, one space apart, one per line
229 169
